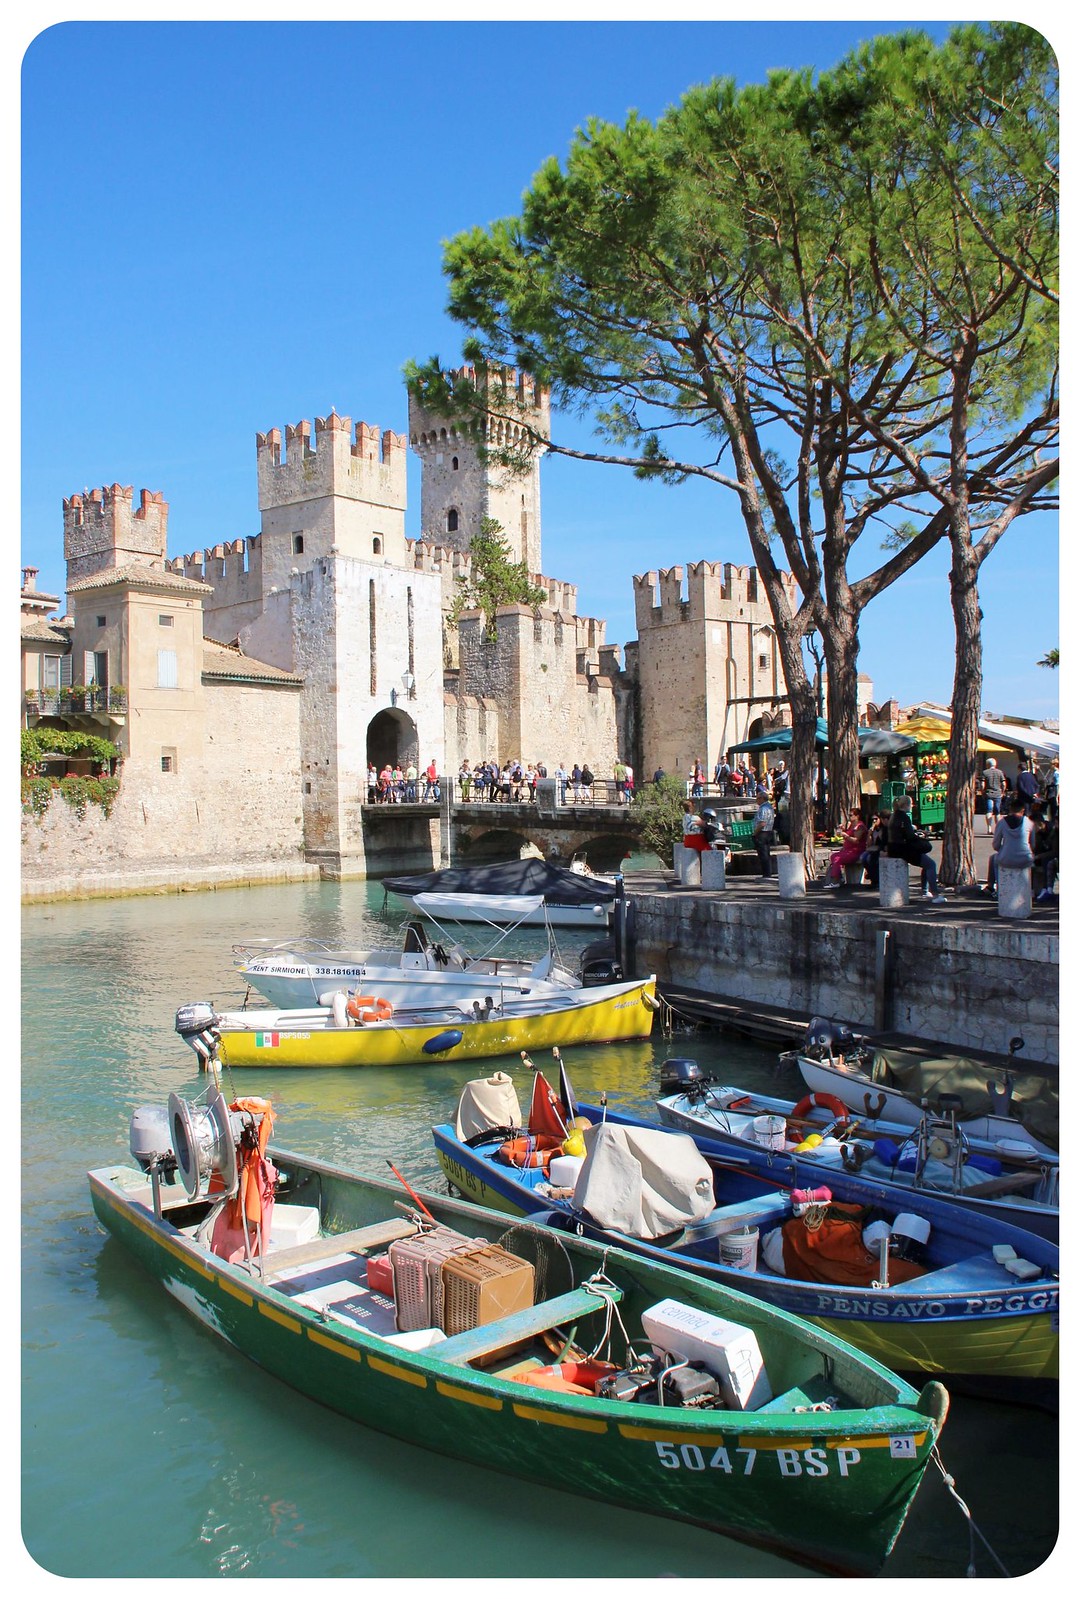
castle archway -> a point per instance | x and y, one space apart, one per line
392 740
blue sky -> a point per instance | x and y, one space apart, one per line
228 227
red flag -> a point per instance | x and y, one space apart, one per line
544 1114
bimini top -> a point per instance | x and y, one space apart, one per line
557 884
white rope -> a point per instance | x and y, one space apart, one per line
973 1530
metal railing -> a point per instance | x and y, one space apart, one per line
75 702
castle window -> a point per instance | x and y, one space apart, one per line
163 621
376 546
101 621
298 544
451 521
166 669
454 463
168 760
763 663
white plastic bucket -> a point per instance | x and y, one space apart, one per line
739 1249
769 1131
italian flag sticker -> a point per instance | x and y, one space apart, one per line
267 1040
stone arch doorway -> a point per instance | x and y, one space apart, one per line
392 740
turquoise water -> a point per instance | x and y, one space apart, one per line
150 1449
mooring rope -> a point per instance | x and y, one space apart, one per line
973 1529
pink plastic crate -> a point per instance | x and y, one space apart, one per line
416 1264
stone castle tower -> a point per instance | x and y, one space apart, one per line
458 489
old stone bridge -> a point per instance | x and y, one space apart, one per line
408 837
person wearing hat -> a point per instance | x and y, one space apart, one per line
713 830
764 830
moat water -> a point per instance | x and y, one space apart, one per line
152 1450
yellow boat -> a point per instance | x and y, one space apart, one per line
364 1030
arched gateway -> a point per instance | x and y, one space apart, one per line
392 740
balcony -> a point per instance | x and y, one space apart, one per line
103 704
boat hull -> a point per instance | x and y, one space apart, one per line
833 1495
981 1321
614 1013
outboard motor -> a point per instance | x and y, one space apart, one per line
197 1026
600 964
150 1141
828 1038
680 1076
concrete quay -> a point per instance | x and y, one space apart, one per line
956 974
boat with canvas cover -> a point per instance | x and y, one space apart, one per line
1008 1178
366 1030
506 1345
424 971
507 892
918 1283
878 1077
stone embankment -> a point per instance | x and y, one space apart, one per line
957 974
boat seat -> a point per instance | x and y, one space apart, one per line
750 1212
485 1340
283 1262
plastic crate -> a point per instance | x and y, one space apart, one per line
414 1298
739 835
484 1286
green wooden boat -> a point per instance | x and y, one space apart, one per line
823 1470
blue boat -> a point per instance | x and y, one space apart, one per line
983 1303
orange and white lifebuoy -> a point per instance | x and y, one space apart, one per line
823 1102
369 1008
530 1152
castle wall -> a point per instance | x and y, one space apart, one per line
358 629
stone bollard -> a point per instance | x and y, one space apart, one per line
853 875
679 854
692 869
894 883
1014 892
791 876
713 869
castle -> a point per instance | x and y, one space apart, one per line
262 676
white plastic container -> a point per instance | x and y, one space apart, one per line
770 1131
725 1348
292 1225
564 1169
739 1248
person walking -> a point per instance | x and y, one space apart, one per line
764 830
993 789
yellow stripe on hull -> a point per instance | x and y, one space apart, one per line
971 1346
615 1018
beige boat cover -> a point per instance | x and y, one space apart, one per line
487 1102
643 1181
1034 1098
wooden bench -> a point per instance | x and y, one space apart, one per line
284 1262
741 1213
536 1319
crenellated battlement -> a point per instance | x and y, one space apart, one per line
233 568
453 563
703 591
366 464
103 528
504 390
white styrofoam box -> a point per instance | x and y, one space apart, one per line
293 1224
725 1348
564 1169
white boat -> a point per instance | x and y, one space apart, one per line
527 893
1007 1106
423 972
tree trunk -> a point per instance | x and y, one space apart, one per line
842 658
803 763
958 847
